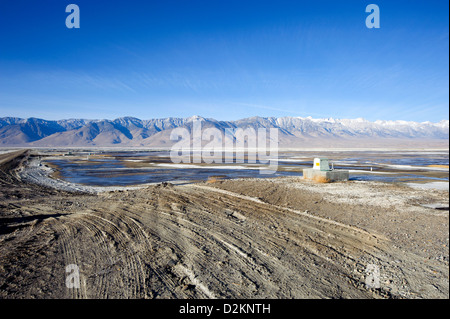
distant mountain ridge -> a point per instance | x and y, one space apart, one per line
293 131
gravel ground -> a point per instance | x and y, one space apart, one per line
248 238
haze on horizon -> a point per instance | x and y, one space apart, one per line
225 60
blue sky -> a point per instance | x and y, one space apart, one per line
224 59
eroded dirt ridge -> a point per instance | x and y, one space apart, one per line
233 239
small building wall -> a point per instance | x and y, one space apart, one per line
332 176
321 164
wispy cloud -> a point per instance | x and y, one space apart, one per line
277 109
80 80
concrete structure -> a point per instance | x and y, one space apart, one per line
321 164
322 171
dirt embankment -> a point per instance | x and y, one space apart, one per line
280 238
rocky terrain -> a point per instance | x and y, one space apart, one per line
249 238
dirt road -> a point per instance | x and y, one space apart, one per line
280 238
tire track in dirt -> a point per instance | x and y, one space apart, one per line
357 240
319 228
207 241
103 255
351 249
201 222
210 234
127 258
71 256
215 244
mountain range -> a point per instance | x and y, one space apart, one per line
294 132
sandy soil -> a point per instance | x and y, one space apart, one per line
250 238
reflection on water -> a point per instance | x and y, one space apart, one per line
115 173
133 168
